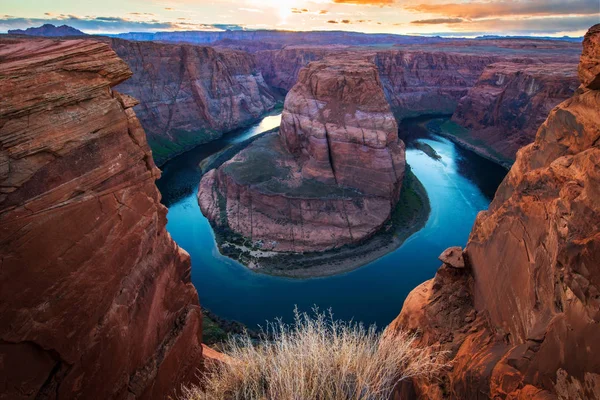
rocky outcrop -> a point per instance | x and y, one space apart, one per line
190 94
522 320
331 177
511 100
95 297
339 125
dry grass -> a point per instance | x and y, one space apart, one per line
317 357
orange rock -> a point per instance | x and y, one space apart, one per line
535 283
95 297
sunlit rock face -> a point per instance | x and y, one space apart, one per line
522 319
331 176
95 297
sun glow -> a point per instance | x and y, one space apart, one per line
283 8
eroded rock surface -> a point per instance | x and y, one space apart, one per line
331 177
191 94
525 323
95 297
510 101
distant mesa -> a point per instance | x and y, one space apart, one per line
48 30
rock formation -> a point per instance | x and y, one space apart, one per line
331 177
191 94
95 297
521 321
414 82
423 83
511 100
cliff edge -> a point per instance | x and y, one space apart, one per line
95 297
521 320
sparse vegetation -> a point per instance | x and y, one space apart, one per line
317 357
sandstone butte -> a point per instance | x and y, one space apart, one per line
191 95
95 297
330 177
521 321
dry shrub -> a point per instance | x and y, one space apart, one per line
317 357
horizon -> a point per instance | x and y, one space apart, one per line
445 18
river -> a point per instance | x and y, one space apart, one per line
459 186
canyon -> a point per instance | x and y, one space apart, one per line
509 101
95 297
520 320
192 92
301 189
190 95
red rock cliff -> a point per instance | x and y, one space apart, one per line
95 297
331 177
522 320
414 82
511 100
191 94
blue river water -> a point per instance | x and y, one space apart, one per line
459 186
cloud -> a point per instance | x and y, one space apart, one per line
103 24
252 10
526 26
169 9
345 21
479 9
322 12
366 2
331 21
436 21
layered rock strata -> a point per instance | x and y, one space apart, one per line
521 321
415 82
331 177
510 101
95 297
191 94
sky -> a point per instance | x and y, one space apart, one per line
422 17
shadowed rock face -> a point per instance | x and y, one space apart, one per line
331 177
511 100
95 297
191 94
524 322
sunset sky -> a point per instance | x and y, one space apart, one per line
445 17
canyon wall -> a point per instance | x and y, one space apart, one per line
415 82
510 100
95 297
424 83
497 98
331 177
191 94
521 320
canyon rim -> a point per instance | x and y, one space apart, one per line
307 166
